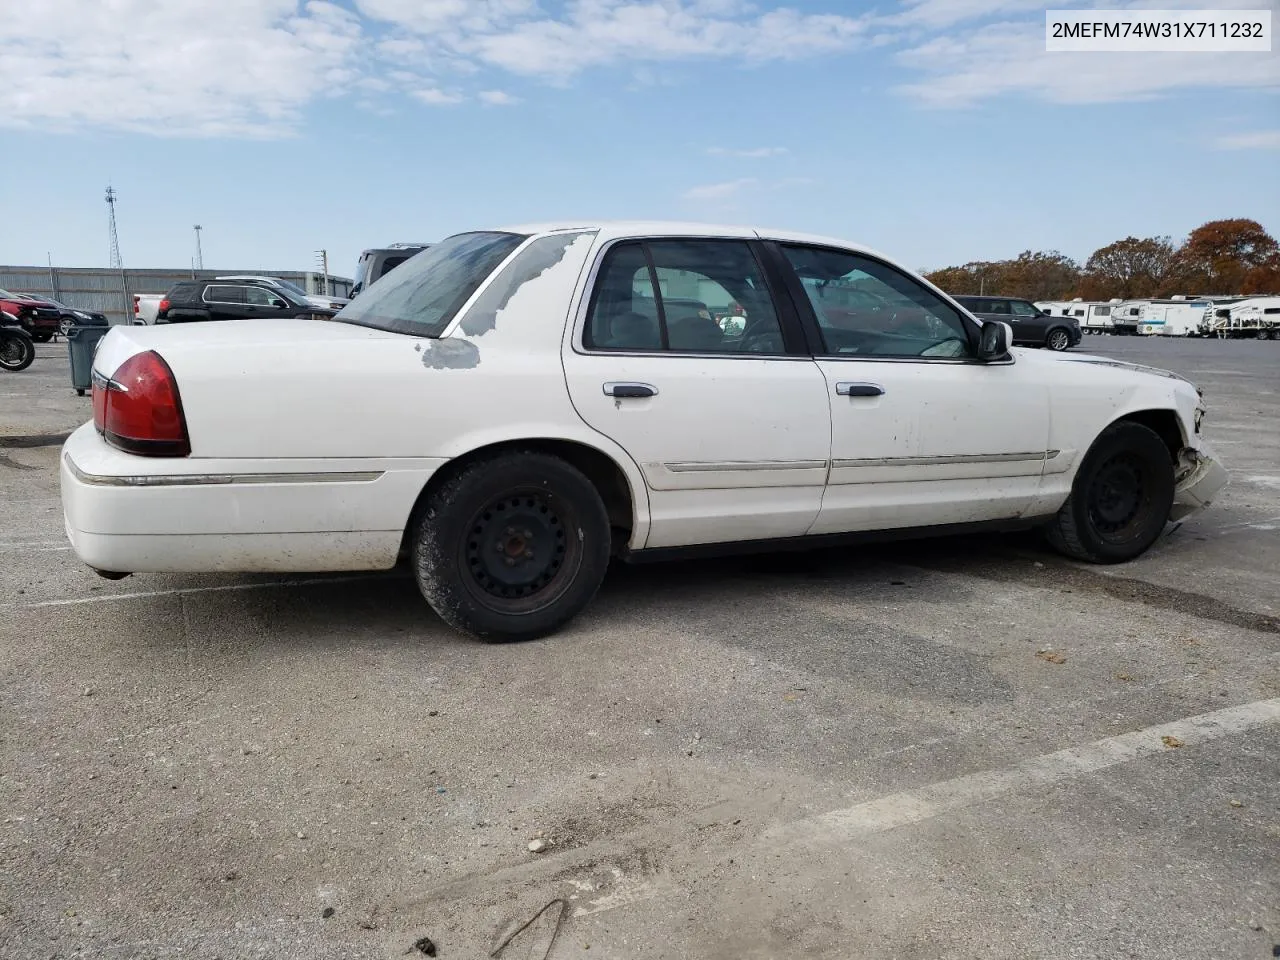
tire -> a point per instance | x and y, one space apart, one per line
1264 334
16 350
1057 339
79 392
511 547
1120 499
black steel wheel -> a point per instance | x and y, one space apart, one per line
517 553
1121 497
511 547
1057 339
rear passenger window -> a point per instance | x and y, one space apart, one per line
224 294
683 296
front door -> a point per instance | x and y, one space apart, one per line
921 432
685 360
1031 324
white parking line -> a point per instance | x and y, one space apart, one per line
179 591
924 803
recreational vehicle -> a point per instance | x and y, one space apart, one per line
1257 317
1094 316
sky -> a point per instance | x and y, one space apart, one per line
936 131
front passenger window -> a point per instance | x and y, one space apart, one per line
867 308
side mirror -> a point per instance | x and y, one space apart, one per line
994 340
279 304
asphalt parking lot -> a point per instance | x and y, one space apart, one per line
944 749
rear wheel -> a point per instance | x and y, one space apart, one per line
16 350
1121 497
512 547
1264 334
1057 339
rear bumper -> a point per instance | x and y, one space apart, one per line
132 514
1201 476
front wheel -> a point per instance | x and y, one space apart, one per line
1121 497
1058 339
512 547
16 350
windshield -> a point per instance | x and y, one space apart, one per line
7 295
293 288
425 294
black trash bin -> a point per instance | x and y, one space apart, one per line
82 341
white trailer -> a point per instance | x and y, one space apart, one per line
1174 317
1254 317
1094 316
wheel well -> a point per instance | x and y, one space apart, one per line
1166 426
598 467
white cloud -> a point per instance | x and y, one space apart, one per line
1261 140
749 153
200 67
248 68
720 191
603 32
437 97
1009 58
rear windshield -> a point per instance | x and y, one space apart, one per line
423 295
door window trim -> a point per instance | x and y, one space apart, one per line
204 295
813 331
793 336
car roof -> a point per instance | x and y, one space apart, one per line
990 296
623 229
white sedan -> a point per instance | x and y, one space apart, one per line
513 407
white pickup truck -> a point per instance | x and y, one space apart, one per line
145 307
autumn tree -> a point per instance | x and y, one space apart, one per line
1229 256
1039 276
1033 275
1129 269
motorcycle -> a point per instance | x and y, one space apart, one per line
17 349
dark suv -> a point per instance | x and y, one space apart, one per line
1031 326
232 300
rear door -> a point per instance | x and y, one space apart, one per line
727 419
225 301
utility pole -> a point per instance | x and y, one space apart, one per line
322 261
199 252
114 255
117 261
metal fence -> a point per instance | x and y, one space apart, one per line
108 291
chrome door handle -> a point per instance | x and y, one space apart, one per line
627 390
851 389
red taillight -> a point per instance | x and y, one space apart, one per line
164 305
139 410
136 308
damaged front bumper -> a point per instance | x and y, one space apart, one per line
1200 476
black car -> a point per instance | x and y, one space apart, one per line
1031 326
71 315
193 300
